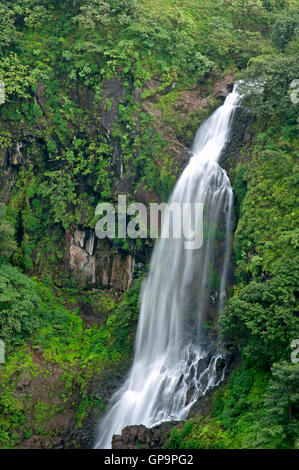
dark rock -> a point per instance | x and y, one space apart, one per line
113 91
136 437
128 434
117 445
223 87
24 381
241 133
142 435
16 156
139 267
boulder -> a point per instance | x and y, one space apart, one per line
141 437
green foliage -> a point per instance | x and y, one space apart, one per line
270 88
285 29
56 58
199 433
37 15
106 13
261 318
240 405
12 417
19 306
81 355
234 420
7 241
50 56
123 321
279 427
61 190
17 77
244 11
7 27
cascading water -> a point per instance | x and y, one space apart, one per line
175 358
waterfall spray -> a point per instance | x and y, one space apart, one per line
175 360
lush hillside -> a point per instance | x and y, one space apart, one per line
103 97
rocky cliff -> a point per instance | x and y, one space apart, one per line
89 261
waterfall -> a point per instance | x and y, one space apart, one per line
176 355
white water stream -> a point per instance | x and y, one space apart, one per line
175 358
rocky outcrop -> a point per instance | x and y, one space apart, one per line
16 157
240 137
113 270
81 259
93 262
223 87
141 437
112 95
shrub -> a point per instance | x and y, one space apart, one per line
19 304
7 242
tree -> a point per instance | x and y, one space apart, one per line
17 77
106 13
272 101
7 241
7 27
285 29
280 425
19 316
243 10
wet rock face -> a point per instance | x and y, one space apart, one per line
16 156
93 262
223 87
141 437
112 94
12 159
82 266
240 136
113 270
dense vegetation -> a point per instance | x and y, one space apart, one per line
55 361
259 406
65 144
